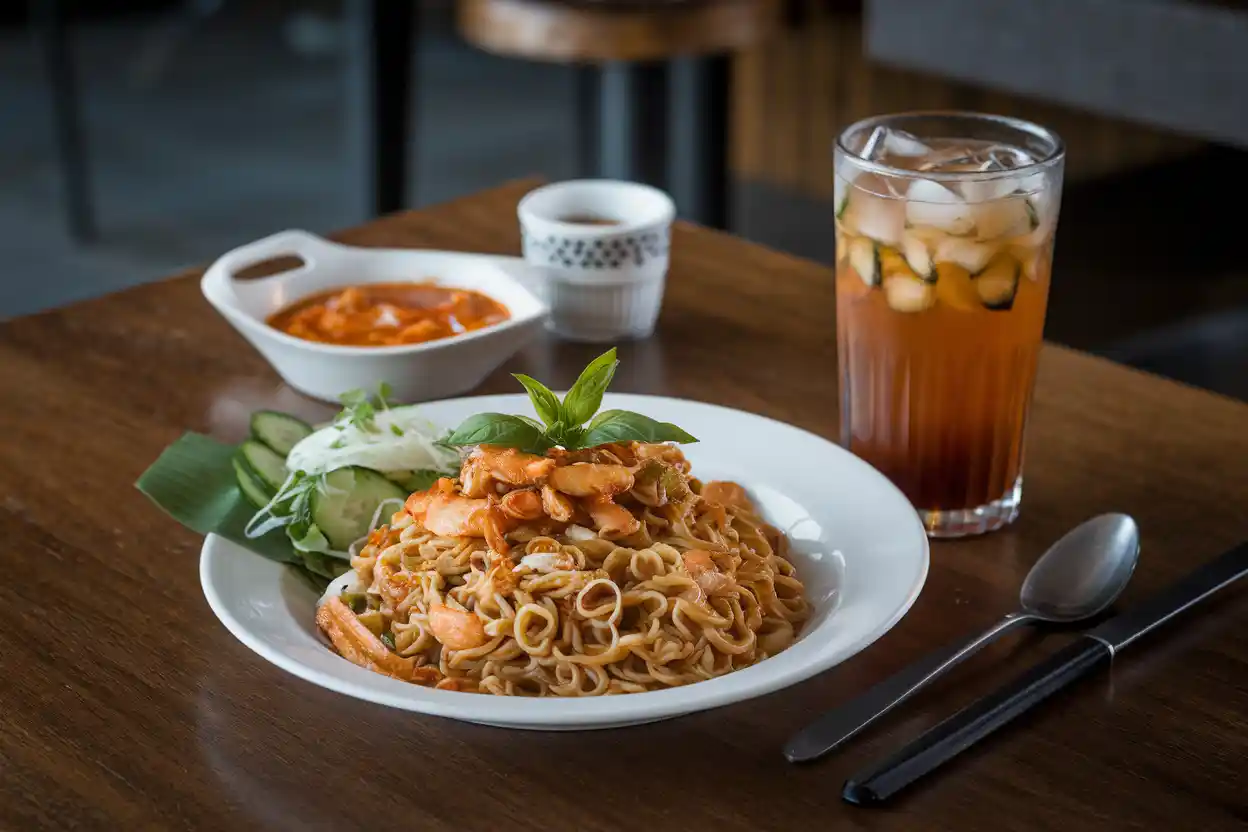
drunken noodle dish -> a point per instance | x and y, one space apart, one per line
576 558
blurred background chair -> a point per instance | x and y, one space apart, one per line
212 122
653 81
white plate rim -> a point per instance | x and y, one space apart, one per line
572 712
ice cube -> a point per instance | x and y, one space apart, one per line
1008 217
932 204
985 190
877 217
901 143
968 254
885 141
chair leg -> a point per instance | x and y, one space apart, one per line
633 122
588 107
383 34
49 17
700 176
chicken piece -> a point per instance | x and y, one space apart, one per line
490 464
700 565
522 505
445 513
558 507
728 494
587 479
356 643
610 519
456 629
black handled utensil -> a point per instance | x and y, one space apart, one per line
1077 578
1093 650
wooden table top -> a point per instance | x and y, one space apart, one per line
126 705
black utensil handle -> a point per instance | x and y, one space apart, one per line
845 721
976 721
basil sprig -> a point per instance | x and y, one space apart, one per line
564 423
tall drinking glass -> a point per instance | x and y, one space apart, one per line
944 241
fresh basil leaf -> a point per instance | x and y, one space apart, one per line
624 426
533 422
499 429
585 397
545 402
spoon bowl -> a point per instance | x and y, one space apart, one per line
1083 572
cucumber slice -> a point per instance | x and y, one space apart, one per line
255 491
919 258
280 431
908 294
267 466
343 510
998 284
864 257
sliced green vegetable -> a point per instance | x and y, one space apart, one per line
344 505
268 467
251 486
280 431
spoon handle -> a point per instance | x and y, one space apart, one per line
838 725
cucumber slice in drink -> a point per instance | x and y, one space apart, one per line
864 257
919 257
998 284
906 293
344 509
280 431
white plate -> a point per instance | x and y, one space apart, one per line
858 547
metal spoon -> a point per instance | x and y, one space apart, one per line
1077 578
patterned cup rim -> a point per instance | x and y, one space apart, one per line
635 206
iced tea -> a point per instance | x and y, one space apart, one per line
944 232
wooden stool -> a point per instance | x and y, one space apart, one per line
653 81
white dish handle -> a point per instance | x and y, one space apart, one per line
219 283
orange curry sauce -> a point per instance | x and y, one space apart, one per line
388 314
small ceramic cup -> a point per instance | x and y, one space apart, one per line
601 247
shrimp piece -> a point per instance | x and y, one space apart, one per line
357 644
474 479
612 520
587 479
522 505
700 565
671 454
727 494
489 464
456 629
448 514
513 467
558 507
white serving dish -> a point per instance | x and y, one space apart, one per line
858 547
415 372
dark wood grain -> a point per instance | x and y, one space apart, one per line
553 30
127 706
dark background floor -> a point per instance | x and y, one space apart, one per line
242 131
